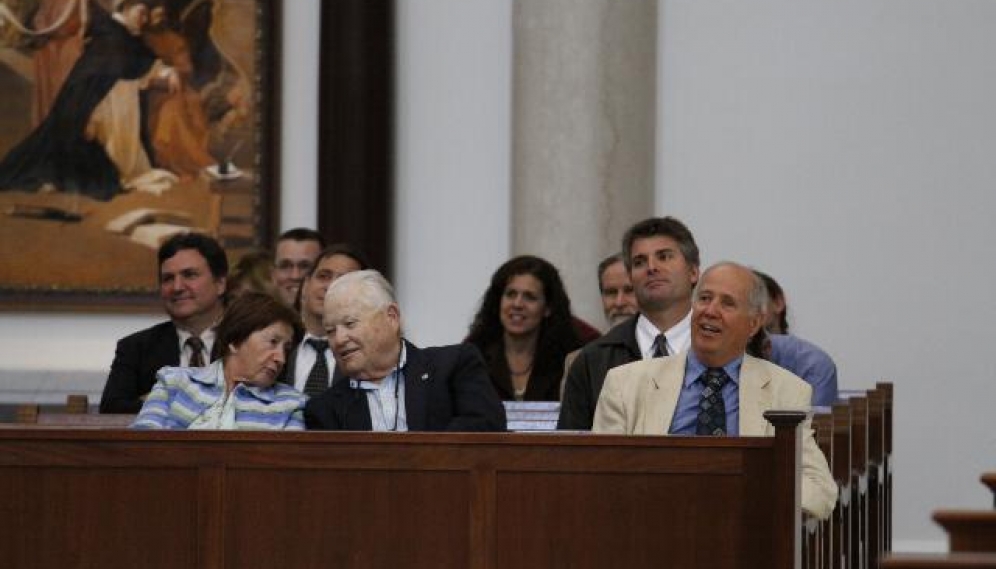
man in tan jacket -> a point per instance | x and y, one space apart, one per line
716 388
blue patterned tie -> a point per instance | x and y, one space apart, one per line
712 409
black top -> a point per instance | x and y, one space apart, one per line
587 374
137 359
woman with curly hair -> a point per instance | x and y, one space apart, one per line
524 329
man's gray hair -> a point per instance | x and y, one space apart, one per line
757 294
377 292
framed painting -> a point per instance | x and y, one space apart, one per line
123 122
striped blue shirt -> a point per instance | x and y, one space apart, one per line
182 394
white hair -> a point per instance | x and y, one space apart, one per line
374 289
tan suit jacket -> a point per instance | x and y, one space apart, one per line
639 399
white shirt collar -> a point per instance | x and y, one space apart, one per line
206 336
678 337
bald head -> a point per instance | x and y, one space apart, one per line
728 308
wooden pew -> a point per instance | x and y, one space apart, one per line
886 388
842 518
817 534
938 561
969 530
74 414
77 404
70 420
857 402
989 479
876 475
152 499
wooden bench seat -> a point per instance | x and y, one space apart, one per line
938 561
989 479
969 530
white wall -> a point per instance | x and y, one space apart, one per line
454 126
847 147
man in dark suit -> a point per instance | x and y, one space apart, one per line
662 260
192 273
388 383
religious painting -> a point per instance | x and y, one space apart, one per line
122 123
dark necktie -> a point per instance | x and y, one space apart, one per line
712 409
660 346
196 346
318 378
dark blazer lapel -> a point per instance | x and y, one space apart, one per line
164 350
338 375
168 349
350 410
417 384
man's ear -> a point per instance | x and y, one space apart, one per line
394 313
756 322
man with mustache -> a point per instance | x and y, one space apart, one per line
662 259
716 388
192 281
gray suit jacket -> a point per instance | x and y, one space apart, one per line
639 399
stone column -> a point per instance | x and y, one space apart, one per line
584 95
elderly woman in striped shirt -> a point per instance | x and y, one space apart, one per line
239 389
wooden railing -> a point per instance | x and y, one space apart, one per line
855 435
117 498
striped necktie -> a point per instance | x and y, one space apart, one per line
196 346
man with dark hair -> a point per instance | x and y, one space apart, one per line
192 278
662 259
311 366
293 258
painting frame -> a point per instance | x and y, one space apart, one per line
255 226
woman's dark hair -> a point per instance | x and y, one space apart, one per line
248 313
775 292
557 336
